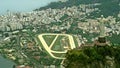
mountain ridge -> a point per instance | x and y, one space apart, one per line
107 7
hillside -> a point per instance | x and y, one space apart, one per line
107 7
93 57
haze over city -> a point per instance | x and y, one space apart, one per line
22 5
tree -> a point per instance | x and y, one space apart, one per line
93 57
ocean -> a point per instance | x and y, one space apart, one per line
5 63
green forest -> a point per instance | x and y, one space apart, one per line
93 57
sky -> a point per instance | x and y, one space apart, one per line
21 5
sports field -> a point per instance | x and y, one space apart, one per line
57 44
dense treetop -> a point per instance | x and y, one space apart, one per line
93 57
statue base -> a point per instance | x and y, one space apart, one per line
102 39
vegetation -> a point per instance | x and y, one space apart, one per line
107 7
93 57
49 39
113 38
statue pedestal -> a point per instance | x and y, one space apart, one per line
102 39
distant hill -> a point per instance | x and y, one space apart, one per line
107 7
